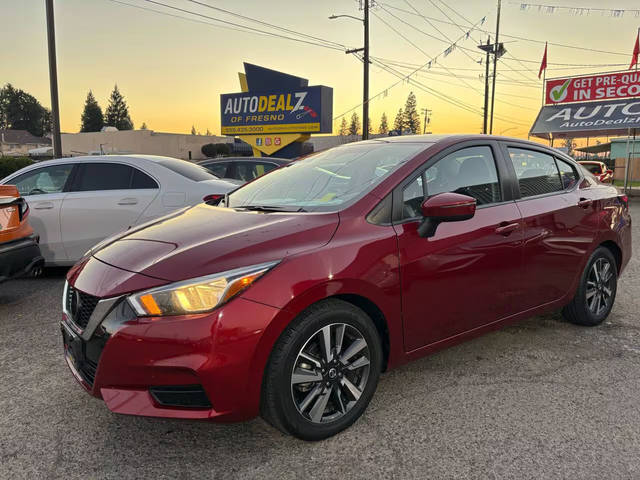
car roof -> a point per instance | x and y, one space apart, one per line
279 161
106 158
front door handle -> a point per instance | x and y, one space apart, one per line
43 206
585 202
128 201
507 228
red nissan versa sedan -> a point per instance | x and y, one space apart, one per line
289 298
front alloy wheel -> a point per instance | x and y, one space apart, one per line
323 371
330 373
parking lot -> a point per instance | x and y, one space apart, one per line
541 399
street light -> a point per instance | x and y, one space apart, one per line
365 59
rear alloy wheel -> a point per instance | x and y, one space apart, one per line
323 371
597 290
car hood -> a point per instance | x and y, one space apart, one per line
205 239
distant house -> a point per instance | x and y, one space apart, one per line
19 142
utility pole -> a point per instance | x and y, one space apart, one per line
365 88
364 5
426 119
53 80
495 66
488 48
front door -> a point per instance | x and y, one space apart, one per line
463 277
44 191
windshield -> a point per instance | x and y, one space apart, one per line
328 180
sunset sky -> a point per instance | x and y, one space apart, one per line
172 70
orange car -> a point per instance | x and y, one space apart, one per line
19 249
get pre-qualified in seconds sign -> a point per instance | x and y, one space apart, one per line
607 86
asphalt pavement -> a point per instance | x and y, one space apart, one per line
541 399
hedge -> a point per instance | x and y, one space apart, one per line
8 165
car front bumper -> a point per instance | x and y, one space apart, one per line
199 367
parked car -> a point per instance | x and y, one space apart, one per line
291 297
77 202
245 169
19 251
599 170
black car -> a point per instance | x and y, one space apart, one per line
242 168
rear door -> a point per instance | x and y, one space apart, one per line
104 199
44 189
560 222
463 277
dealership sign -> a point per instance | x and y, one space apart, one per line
297 110
588 118
607 86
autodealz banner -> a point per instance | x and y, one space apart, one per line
605 86
588 116
303 110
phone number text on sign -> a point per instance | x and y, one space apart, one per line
593 87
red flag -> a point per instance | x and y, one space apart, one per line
636 52
543 65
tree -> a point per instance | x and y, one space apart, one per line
411 117
144 126
354 126
117 113
208 132
384 128
398 123
92 119
343 127
21 111
570 145
193 130
369 127
212 150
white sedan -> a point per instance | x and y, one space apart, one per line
77 202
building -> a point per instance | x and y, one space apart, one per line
177 145
19 142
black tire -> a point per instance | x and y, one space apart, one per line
581 311
282 399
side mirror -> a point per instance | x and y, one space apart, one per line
445 207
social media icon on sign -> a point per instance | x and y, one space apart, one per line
258 141
267 141
276 141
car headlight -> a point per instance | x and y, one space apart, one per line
197 295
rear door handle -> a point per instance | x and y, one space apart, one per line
585 202
43 206
128 201
507 228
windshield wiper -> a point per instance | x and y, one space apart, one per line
271 208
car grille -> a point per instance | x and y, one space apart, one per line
80 306
88 371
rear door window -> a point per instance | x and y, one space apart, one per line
102 176
537 172
194 172
568 174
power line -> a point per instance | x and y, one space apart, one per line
247 29
563 45
261 22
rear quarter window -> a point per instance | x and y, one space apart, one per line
188 170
